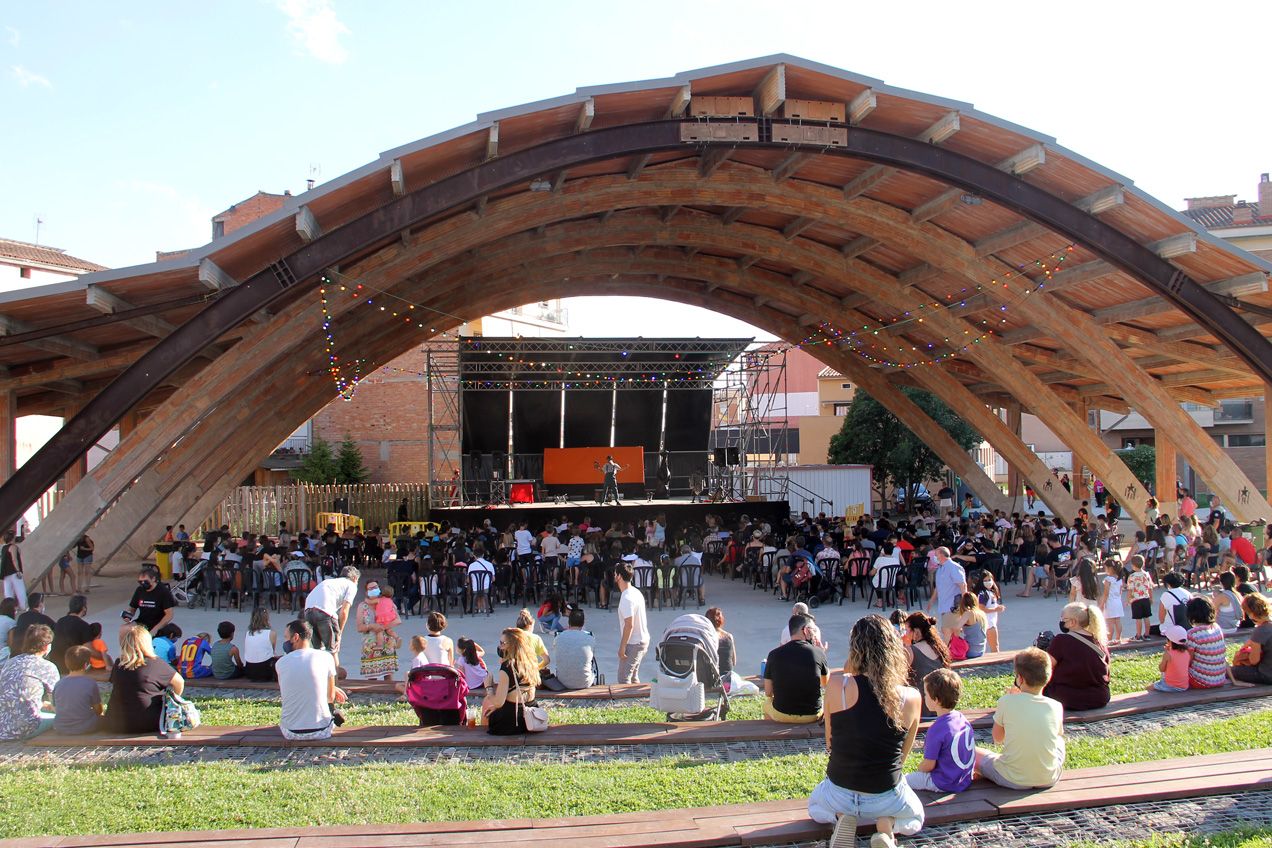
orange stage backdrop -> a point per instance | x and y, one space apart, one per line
574 466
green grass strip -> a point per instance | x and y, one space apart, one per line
125 798
1260 837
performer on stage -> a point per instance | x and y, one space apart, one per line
611 469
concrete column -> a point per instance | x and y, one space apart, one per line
1167 462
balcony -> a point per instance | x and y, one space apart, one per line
294 445
1234 412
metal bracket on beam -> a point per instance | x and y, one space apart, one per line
307 225
587 111
396 179
492 141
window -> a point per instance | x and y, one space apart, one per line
1247 440
24 273
1218 439
846 386
841 409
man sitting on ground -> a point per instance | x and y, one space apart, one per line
307 685
1029 726
574 650
794 676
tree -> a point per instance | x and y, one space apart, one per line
349 462
319 465
1142 462
874 436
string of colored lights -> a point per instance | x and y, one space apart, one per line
861 341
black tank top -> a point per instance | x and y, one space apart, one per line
865 748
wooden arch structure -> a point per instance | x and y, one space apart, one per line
797 197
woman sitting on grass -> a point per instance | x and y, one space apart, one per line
1253 663
872 718
926 649
1080 659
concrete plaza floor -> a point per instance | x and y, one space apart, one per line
753 616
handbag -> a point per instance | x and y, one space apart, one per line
535 718
178 714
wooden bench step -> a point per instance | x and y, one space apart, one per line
745 824
578 735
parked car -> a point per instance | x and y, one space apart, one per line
919 497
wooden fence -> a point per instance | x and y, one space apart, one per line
258 509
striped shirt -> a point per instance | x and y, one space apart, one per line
1209 667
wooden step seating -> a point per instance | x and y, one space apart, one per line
768 823
576 735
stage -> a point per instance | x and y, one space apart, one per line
680 512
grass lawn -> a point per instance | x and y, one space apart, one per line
1252 838
72 798
1129 674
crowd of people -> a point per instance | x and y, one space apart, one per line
899 672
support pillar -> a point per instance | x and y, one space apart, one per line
1167 462
127 424
1267 441
1013 470
8 435
80 467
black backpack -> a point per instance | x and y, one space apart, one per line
1179 610
1043 641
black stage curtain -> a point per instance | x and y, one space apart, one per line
688 419
485 422
587 419
639 418
536 422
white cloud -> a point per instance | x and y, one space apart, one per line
26 78
15 36
315 29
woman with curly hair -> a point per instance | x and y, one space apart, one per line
872 717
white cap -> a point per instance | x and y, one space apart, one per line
1175 633
630 558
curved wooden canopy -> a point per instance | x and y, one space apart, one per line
803 198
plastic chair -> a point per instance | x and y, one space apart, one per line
712 554
831 574
768 564
297 582
666 580
886 588
689 577
643 580
855 574
455 588
478 588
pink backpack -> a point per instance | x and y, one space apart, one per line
436 687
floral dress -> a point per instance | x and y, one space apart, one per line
379 649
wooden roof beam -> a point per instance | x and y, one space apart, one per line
1253 283
711 159
941 131
492 141
799 225
396 179
1176 245
792 163
307 225
666 213
1009 237
587 112
770 94
1099 202
105 302
1025 161
732 214
858 246
939 205
860 107
637 165
213 277
867 180
59 345
680 101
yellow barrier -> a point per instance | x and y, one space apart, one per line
340 520
398 529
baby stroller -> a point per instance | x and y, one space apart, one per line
688 668
438 694
190 590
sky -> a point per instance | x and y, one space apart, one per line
125 126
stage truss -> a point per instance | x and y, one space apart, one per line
750 415
444 414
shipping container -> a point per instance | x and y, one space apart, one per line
832 489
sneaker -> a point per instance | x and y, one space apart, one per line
882 840
845 833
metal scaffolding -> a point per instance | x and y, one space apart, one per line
749 416
444 412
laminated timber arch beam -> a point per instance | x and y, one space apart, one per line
340 245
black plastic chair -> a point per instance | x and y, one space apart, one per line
768 563
712 554
855 574
643 580
478 588
666 580
297 584
454 588
689 576
886 588
831 575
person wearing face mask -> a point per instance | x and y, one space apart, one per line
26 687
152 604
376 618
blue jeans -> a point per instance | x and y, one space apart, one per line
1163 686
900 804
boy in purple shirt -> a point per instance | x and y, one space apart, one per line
949 747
